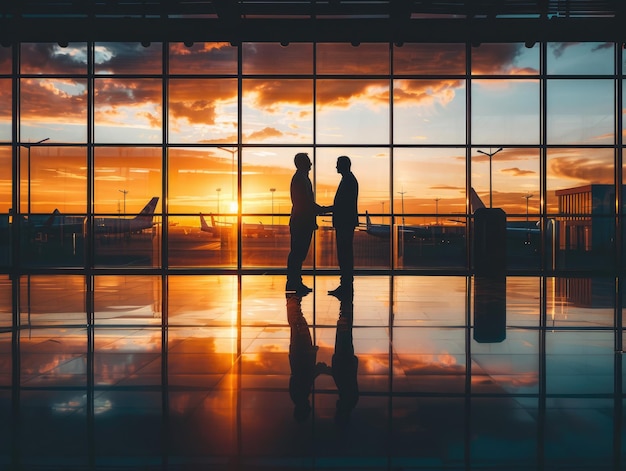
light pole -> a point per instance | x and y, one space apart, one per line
402 193
124 192
272 190
28 146
382 217
232 168
218 201
490 155
527 196
437 211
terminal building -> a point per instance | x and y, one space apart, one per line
146 159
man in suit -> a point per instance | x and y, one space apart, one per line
345 219
301 222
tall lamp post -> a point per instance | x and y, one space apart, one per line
527 196
437 211
490 155
28 146
124 192
272 190
218 202
232 168
402 193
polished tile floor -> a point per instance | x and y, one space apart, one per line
229 373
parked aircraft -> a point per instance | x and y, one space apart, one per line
118 225
58 226
217 228
435 233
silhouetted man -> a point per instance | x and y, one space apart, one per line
301 223
302 359
345 363
345 219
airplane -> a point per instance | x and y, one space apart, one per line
117 225
439 233
249 230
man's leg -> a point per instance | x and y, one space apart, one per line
300 243
345 255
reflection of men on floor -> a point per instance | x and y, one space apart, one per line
301 223
345 219
345 363
302 359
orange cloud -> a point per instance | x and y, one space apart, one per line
582 169
518 172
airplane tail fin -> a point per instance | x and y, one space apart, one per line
203 224
475 201
50 221
147 213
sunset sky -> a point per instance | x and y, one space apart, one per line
351 108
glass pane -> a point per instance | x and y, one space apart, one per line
54 108
52 300
126 178
591 58
371 168
266 241
128 110
514 176
277 111
581 171
429 59
53 178
505 111
127 300
6 312
429 180
6 107
352 111
127 195
199 179
422 242
202 111
6 179
50 58
128 58
204 240
580 111
429 111
266 180
273 58
505 59
203 58
344 58
6 60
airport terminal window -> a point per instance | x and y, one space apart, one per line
505 59
219 155
277 59
277 111
352 111
5 109
202 110
580 111
429 59
128 110
202 58
505 111
429 111
348 59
